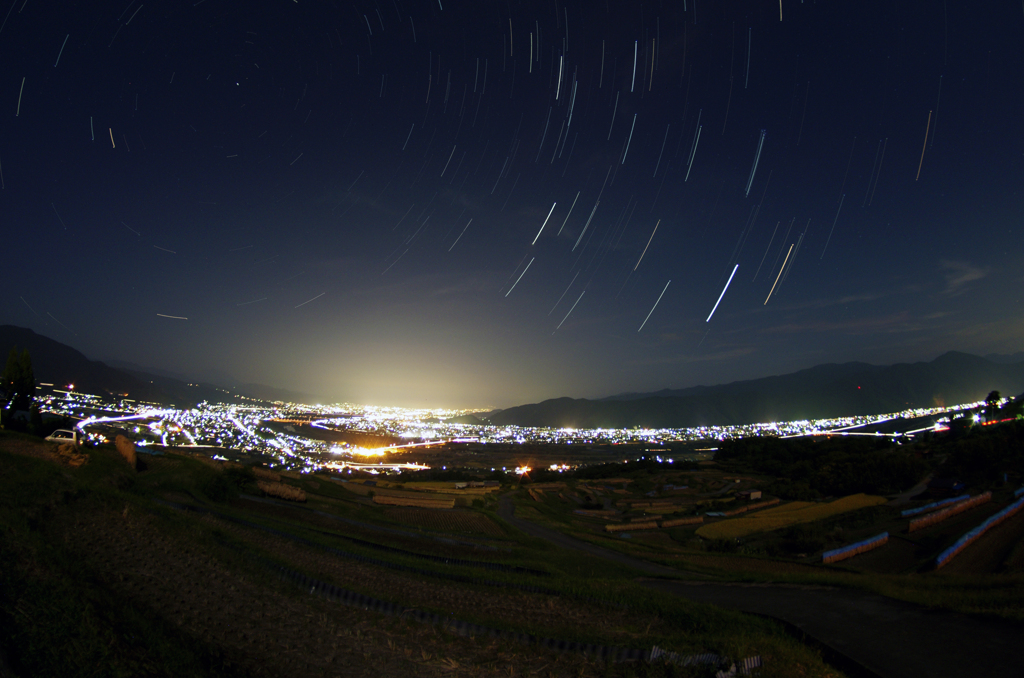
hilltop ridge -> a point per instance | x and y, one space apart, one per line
61 365
822 391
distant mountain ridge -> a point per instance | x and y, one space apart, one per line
818 392
59 364
223 383
1004 359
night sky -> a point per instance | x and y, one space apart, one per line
345 198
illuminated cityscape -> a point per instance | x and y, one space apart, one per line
277 432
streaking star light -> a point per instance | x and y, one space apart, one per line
734 268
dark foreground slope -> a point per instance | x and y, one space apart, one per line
815 393
171 572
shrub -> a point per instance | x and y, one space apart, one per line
722 545
216 487
282 491
241 478
823 467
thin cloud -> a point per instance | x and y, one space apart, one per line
690 358
898 322
959 274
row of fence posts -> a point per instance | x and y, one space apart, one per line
954 505
934 505
852 550
948 512
973 535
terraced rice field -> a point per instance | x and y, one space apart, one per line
899 555
449 488
792 513
423 502
1015 561
260 628
367 490
445 521
256 627
740 564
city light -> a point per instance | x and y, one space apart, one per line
274 430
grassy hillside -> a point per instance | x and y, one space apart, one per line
183 568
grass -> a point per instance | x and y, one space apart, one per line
77 546
792 513
998 595
102 621
448 487
56 618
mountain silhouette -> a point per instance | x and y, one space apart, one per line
59 364
819 392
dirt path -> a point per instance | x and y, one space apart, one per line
905 497
886 637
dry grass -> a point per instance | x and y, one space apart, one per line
127 450
631 527
66 455
422 502
663 505
445 500
449 488
676 522
70 455
266 474
359 488
282 491
752 507
607 514
783 516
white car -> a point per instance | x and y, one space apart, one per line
63 435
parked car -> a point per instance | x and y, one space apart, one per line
63 435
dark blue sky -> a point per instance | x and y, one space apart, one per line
342 198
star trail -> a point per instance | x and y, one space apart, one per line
380 176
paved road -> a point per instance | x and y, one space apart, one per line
887 637
905 497
871 633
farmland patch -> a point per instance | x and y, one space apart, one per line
445 520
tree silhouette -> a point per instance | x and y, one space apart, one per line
992 405
19 380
